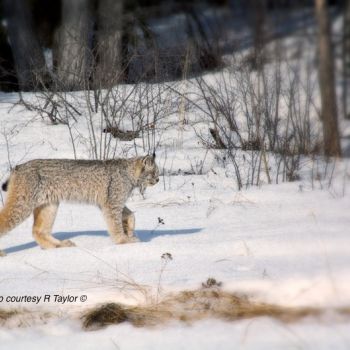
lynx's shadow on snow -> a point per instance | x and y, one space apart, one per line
143 235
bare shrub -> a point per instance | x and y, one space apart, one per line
263 120
111 116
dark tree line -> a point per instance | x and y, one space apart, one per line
91 41
71 41
101 42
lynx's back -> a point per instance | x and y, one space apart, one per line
55 180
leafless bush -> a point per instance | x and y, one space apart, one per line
111 116
263 119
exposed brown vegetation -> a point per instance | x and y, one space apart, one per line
190 306
20 317
344 311
6 314
128 135
186 306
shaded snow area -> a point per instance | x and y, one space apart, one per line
284 244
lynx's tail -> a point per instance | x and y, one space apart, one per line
16 208
4 185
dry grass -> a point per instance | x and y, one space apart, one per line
7 314
20 317
187 306
345 311
190 306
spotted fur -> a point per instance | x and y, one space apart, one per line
38 187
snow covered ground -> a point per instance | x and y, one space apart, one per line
285 244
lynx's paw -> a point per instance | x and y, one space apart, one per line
66 243
126 239
2 253
133 239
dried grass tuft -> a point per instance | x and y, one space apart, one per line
345 311
6 314
110 313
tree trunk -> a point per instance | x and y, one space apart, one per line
28 56
346 60
326 82
257 14
108 70
73 61
8 77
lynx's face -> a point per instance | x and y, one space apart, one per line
150 172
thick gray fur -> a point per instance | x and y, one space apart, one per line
38 187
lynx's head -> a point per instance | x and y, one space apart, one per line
148 172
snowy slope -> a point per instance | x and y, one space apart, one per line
286 244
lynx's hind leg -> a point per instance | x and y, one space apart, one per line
128 222
18 205
44 217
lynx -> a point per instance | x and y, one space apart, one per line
38 187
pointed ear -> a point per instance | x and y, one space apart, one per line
147 160
154 155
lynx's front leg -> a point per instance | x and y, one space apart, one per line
44 217
113 216
128 218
